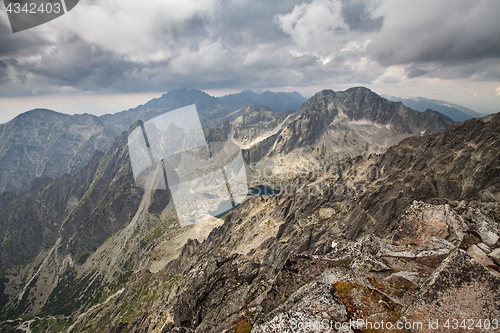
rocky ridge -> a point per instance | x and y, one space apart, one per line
334 125
42 142
419 241
352 198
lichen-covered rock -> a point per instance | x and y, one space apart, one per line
482 225
495 255
433 251
294 322
297 272
316 299
478 254
460 289
485 248
410 280
422 221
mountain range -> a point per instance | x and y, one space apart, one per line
381 209
46 143
454 111
420 241
42 142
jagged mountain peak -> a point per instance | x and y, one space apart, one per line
411 238
356 97
355 121
360 90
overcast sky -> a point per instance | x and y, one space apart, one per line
105 56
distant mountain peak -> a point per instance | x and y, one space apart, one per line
360 89
184 92
454 111
40 112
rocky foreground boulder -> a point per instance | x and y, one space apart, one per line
425 284
380 285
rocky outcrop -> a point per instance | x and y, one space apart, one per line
347 242
355 121
421 221
338 286
352 260
385 285
461 291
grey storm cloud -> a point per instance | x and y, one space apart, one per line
119 46
416 72
437 31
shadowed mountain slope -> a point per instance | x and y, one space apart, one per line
352 122
47 143
341 244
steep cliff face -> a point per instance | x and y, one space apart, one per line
110 202
340 244
95 245
43 142
46 143
49 232
32 221
254 124
352 122
84 210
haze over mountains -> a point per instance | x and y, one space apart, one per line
85 249
44 142
454 111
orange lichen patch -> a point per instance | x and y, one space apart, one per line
374 282
344 287
362 302
243 326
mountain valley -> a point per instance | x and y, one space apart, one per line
381 209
